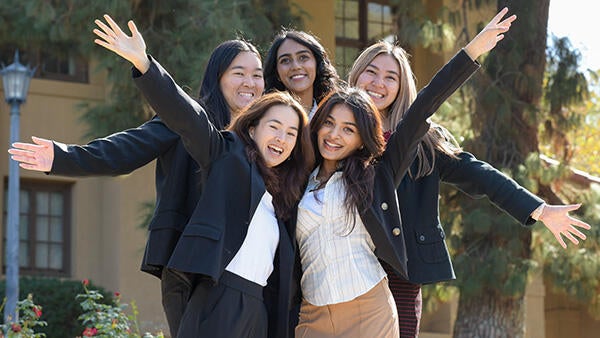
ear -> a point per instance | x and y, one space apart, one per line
251 132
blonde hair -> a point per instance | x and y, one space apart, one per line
437 138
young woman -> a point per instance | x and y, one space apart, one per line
236 239
384 72
298 63
344 287
232 79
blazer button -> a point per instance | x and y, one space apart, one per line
396 231
384 206
422 238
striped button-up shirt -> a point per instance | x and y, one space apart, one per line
336 251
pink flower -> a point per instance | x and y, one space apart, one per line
86 282
38 311
90 332
16 328
117 294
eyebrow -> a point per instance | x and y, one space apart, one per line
241 67
347 123
279 122
302 51
387 71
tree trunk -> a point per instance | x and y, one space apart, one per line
490 316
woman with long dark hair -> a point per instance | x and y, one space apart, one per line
237 241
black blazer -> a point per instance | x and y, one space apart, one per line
233 189
177 179
382 218
428 257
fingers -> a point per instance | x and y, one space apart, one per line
113 25
499 16
133 28
26 147
560 240
41 141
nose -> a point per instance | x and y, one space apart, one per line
248 81
295 64
378 81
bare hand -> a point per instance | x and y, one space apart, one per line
38 156
556 218
489 36
131 48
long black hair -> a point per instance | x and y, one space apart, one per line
210 96
327 78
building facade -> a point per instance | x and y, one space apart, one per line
77 228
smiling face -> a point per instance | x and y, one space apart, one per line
381 80
242 82
296 67
276 133
338 137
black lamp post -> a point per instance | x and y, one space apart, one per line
16 79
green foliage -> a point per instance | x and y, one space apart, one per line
108 320
29 318
57 297
179 33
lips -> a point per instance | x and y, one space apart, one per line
275 149
375 94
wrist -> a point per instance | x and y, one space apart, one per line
537 213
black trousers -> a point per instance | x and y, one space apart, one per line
176 288
234 308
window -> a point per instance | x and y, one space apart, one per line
51 65
44 229
358 23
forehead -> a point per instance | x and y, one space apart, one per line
246 60
386 62
290 46
342 113
283 114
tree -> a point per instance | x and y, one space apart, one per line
179 33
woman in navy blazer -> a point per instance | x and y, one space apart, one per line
383 70
237 241
178 180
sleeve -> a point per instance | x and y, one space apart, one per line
401 146
116 154
181 113
478 179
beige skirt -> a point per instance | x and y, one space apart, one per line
370 315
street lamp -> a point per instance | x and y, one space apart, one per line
15 78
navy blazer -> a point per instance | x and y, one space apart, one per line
428 257
177 179
232 192
382 218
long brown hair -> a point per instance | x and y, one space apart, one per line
437 138
286 181
358 171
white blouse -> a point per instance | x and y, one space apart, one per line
254 259
338 262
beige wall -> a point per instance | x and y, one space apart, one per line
106 245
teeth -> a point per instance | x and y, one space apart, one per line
377 95
297 76
332 144
247 94
276 149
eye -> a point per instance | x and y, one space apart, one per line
391 78
328 123
284 61
370 71
303 57
291 133
258 75
348 130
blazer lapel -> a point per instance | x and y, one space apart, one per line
257 189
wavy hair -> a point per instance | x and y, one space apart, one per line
327 78
436 139
287 180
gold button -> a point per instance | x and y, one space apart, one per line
384 206
396 231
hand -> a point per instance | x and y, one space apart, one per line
489 36
38 156
556 218
131 48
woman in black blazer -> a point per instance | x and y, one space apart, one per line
384 68
234 66
236 236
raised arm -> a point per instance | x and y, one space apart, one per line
401 145
179 111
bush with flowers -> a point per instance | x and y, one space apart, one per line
108 320
28 319
101 320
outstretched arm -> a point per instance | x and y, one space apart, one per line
37 156
489 36
557 219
